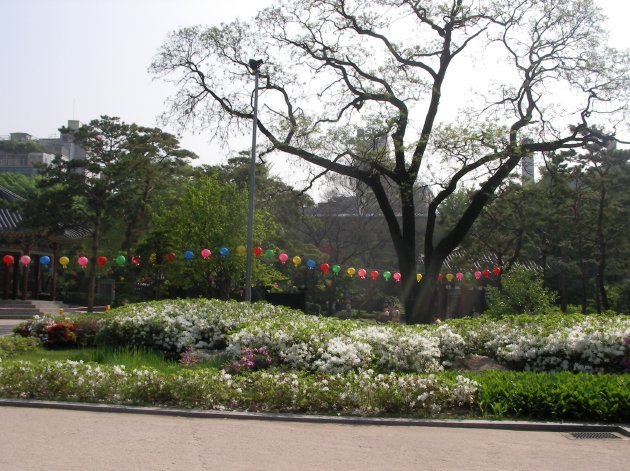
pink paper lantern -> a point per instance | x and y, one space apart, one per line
397 276
25 260
362 273
205 253
82 261
283 258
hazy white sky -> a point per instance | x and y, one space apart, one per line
79 59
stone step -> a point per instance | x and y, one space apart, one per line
26 309
17 315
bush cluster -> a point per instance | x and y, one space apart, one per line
554 342
362 393
277 359
495 394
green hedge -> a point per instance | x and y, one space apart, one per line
554 396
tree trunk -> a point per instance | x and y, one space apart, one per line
421 308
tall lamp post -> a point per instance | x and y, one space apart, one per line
255 66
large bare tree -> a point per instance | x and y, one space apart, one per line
541 73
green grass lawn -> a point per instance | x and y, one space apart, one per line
130 357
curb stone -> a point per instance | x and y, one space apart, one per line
623 429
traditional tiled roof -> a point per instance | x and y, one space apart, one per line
10 219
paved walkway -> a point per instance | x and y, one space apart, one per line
47 439
6 325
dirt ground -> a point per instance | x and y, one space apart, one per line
47 439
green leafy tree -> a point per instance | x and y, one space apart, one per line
13 146
19 184
207 213
96 186
286 204
521 292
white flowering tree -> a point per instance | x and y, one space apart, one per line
540 73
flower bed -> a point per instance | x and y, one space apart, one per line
329 345
276 359
550 343
362 393
496 394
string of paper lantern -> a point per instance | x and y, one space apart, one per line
258 252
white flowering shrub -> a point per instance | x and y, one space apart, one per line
341 354
550 343
292 339
329 345
357 393
405 349
451 344
174 325
319 344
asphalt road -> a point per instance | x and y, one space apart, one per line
47 439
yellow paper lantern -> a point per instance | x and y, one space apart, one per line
351 271
64 261
419 277
450 277
296 261
241 250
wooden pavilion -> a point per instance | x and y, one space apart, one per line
17 241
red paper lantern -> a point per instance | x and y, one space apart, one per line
102 261
258 251
486 273
374 275
496 271
324 267
440 277
8 259
170 256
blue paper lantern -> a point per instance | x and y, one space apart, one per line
310 263
45 260
223 251
188 255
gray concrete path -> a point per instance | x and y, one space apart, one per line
47 439
6 326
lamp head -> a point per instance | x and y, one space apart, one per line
255 64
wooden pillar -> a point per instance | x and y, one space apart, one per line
25 281
38 277
7 274
16 276
53 280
